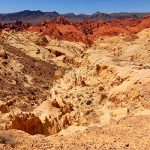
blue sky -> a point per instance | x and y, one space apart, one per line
76 6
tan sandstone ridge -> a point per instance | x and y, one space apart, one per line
62 94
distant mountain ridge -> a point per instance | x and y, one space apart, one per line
37 16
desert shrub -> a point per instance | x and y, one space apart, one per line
8 139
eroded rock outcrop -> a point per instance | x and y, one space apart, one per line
28 123
47 119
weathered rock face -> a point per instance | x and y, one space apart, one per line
33 125
47 119
28 123
42 41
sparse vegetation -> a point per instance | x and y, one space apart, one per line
8 139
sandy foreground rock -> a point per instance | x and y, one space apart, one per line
130 133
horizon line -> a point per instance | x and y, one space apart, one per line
74 12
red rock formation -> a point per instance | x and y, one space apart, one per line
60 29
86 31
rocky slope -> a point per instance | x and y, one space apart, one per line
66 83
